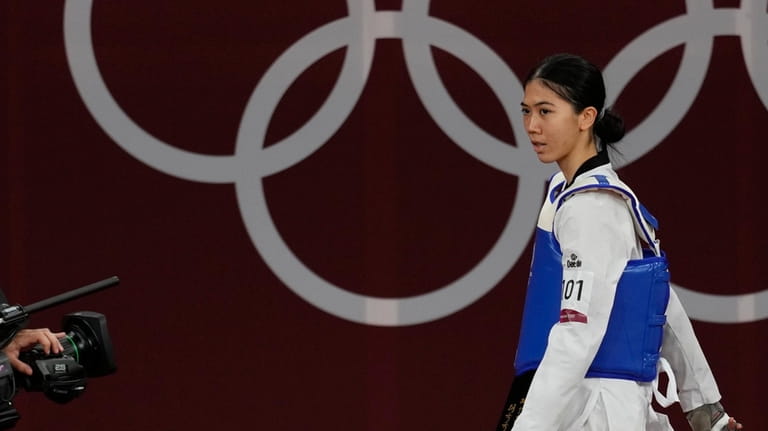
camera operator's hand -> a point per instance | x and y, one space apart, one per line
26 339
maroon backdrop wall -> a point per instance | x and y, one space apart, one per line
209 332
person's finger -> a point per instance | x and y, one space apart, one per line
20 366
56 346
734 425
44 340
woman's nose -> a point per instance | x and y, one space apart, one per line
531 124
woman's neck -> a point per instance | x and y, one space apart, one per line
570 164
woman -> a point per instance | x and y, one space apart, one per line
596 259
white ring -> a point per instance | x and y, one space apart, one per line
419 31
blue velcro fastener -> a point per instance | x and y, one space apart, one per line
649 217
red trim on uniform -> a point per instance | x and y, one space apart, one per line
568 315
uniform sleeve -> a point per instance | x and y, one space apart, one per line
695 382
597 238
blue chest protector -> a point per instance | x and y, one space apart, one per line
631 345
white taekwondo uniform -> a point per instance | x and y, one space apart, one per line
596 228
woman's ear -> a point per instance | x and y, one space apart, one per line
587 117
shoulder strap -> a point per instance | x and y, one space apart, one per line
645 223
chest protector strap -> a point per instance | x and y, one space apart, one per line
631 345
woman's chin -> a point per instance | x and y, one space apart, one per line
544 158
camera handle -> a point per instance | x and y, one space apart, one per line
13 317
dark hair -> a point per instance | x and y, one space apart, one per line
580 83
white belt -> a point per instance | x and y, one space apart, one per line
670 397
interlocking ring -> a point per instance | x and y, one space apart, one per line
358 33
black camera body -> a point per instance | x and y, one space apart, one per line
87 352
60 377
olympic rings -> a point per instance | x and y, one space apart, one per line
358 32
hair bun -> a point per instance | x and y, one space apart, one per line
609 127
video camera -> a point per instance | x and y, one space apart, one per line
61 377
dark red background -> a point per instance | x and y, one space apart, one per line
206 337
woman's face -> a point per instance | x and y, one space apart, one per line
554 128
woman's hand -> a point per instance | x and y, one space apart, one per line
733 425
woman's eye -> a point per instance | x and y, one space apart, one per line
525 111
544 111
